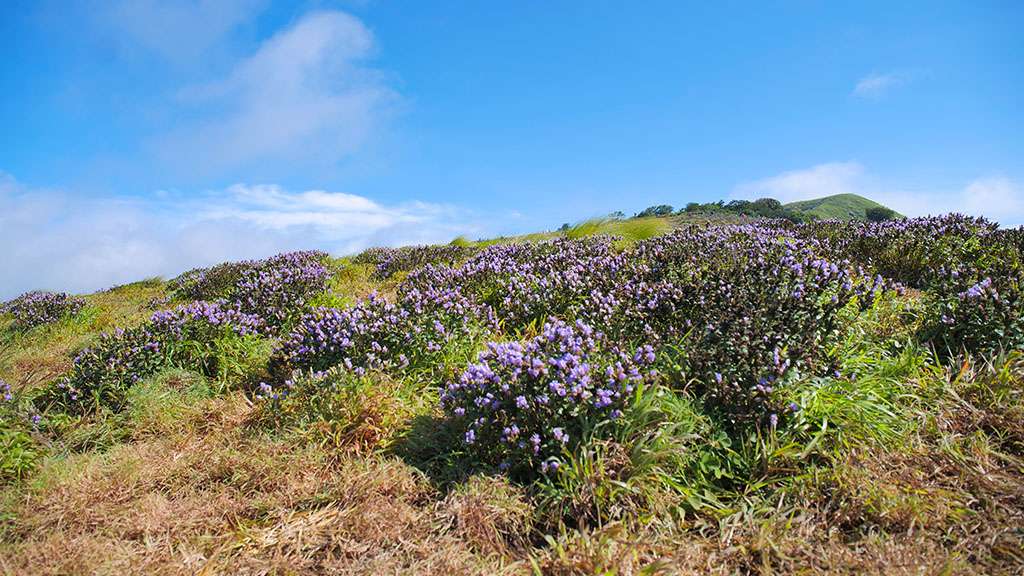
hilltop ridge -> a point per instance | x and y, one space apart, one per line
838 207
835 207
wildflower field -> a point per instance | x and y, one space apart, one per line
725 396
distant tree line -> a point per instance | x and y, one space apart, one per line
761 208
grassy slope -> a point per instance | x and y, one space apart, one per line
837 207
907 468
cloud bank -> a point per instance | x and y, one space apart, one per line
303 99
57 240
995 197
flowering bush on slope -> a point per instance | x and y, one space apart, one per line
390 261
521 404
755 302
37 308
415 336
275 289
192 336
969 270
975 313
203 336
207 283
524 284
279 288
102 373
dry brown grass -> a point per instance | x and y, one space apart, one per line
217 496
489 514
356 282
216 500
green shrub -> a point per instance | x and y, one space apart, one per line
975 315
19 452
102 374
339 408
20 448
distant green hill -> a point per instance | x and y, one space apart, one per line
838 207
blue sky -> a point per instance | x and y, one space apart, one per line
143 137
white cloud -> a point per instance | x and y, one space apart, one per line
303 99
821 180
60 241
995 197
875 85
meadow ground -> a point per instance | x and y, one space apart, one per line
321 416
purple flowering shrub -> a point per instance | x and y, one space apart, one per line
203 336
415 336
276 289
912 251
279 288
974 312
739 307
207 283
521 404
38 308
199 336
967 267
359 337
203 321
524 284
390 261
976 304
102 374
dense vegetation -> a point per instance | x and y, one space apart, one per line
836 207
749 396
842 207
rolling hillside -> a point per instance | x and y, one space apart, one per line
837 207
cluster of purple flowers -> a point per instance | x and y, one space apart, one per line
201 320
524 284
968 268
101 374
390 261
521 404
186 335
193 335
974 313
358 337
207 283
735 307
260 297
909 251
37 308
279 288
275 289
409 337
